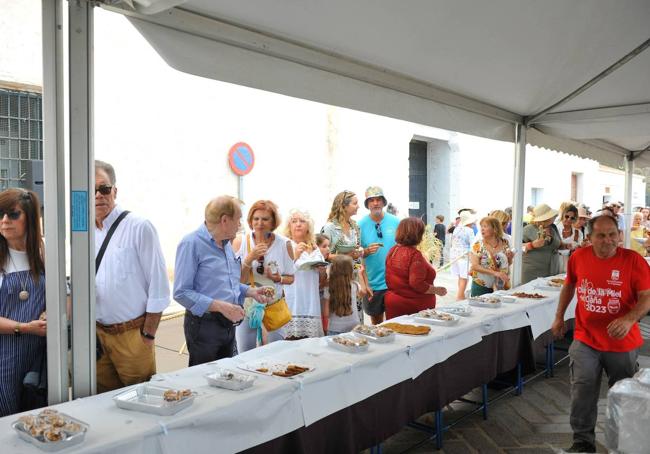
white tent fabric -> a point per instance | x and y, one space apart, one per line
466 65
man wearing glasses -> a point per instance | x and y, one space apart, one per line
131 288
377 237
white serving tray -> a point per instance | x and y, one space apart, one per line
148 398
347 348
53 446
229 379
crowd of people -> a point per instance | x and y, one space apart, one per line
244 288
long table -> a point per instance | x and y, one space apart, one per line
348 402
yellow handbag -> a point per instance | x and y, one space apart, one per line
276 314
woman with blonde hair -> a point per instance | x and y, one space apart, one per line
302 296
489 259
345 238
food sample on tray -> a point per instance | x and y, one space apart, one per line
48 426
291 371
528 295
349 341
401 328
374 331
556 282
172 395
435 315
490 299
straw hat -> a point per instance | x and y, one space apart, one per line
543 212
466 217
582 213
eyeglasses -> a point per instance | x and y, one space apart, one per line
569 217
13 215
378 230
104 189
260 267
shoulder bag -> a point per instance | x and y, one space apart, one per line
276 314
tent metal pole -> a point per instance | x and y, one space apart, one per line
535 118
518 200
82 199
629 180
54 201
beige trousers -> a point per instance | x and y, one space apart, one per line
126 360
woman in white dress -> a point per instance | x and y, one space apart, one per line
461 241
268 258
302 296
571 237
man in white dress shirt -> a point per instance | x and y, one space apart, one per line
132 289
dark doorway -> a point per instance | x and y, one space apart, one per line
418 179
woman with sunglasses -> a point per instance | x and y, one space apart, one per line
570 237
22 294
541 241
267 260
345 239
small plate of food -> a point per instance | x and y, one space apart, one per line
375 333
464 310
436 317
277 369
348 343
156 400
489 300
229 379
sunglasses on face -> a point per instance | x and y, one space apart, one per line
569 217
13 215
378 230
104 189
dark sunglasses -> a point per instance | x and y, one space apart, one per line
260 267
569 217
13 215
104 189
378 230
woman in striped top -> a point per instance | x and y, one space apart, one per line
22 293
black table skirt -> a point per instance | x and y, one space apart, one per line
372 420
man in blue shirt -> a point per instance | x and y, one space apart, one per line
377 237
207 283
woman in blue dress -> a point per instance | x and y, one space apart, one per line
22 293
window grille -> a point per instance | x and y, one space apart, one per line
21 135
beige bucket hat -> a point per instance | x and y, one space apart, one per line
543 212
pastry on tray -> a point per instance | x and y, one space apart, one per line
401 328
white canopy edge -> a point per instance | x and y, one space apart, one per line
207 47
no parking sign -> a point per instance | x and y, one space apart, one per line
241 158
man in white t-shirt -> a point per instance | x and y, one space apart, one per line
131 288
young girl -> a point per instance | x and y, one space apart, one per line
342 296
323 243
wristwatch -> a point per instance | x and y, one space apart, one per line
17 331
146 334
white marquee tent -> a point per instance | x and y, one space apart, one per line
573 76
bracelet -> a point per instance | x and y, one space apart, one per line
146 334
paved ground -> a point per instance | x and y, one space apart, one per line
535 422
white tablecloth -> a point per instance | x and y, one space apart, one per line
228 421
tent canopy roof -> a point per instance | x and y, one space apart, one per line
470 66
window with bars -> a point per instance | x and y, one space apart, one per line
21 135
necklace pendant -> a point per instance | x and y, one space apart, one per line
23 295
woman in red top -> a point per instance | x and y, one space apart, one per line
409 275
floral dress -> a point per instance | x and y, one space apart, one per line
498 261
